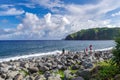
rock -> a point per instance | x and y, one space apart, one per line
18 77
73 62
54 77
3 75
78 78
33 70
75 67
87 65
47 74
117 77
48 64
12 74
12 68
95 70
3 70
59 66
41 77
29 78
1 78
68 75
85 73
3 65
64 67
76 56
44 68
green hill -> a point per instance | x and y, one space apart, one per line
94 34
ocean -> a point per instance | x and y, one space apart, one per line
16 49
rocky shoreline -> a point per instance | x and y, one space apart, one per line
68 66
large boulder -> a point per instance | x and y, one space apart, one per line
87 65
44 68
12 74
85 73
33 69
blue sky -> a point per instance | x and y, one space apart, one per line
54 19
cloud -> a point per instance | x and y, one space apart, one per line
11 11
116 14
33 27
58 25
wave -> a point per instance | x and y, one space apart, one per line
30 55
105 49
43 54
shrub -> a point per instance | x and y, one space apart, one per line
107 71
116 53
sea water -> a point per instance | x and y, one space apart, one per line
16 49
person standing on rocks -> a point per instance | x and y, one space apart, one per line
90 47
86 51
63 51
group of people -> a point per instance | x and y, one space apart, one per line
90 51
86 51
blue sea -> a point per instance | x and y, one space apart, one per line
15 49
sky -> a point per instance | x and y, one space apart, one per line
54 19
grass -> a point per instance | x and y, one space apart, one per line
107 71
61 73
24 72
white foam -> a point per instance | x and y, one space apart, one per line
105 49
30 55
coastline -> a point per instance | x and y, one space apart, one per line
56 52
43 65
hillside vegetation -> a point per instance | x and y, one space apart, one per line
95 34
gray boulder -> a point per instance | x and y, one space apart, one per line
33 69
44 68
85 73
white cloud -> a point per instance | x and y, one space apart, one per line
57 25
50 4
116 14
11 11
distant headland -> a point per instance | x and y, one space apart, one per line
95 34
